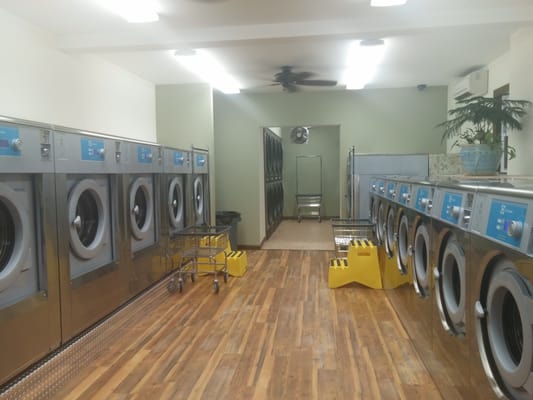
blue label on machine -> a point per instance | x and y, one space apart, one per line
200 160
8 135
390 190
503 221
421 194
404 194
450 201
144 154
380 187
372 185
179 158
92 149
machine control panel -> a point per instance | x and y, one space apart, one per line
92 149
373 185
405 195
381 187
144 154
10 141
201 160
506 221
451 207
179 158
391 190
424 199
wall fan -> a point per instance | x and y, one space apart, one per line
300 135
290 80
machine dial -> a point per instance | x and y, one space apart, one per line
392 193
101 152
515 229
16 144
455 211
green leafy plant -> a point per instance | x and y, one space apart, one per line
482 115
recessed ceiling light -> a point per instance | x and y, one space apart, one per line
207 68
387 3
134 11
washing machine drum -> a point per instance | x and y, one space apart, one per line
198 191
14 238
380 229
176 196
389 232
421 260
88 221
402 254
510 328
141 208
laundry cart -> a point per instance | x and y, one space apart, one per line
346 230
200 245
309 186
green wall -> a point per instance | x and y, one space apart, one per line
185 118
375 121
323 141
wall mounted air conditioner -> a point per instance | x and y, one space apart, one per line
474 84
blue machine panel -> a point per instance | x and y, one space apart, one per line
451 200
390 189
92 149
200 160
422 193
179 158
7 135
372 185
144 154
380 187
404 189
502 214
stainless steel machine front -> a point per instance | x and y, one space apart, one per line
92 278
142 167
200 188
29 290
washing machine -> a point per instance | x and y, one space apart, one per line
452 210
175 192
92 278
29 283
142 171
501 290
200 214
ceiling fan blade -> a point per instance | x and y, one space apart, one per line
316 82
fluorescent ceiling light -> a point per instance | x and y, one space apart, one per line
207 68
363 59
387 3
134 11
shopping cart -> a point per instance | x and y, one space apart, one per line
204 245
347 229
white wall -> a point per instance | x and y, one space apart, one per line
41 83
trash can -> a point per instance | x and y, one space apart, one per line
230 218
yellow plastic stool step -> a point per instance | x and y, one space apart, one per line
390 274
361 266
237 263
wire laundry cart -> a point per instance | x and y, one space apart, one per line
346 230
309 186
201 245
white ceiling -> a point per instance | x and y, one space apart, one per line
428 41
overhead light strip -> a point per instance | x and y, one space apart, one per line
133 11
208 69
363 60
387 3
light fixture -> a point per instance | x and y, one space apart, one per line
207 68
387 3
363 58
134 11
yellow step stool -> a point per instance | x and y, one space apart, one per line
237 263
391 276
361 266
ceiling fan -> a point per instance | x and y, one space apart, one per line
290 80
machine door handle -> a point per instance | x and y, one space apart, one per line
77 222
174 203
135 210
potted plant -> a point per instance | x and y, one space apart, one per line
474 122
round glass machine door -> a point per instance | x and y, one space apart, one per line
13 238
141 208
198 191
421 260
175 202
402 255
87 219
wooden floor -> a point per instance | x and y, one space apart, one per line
276 333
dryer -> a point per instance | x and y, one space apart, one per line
175 193
92 279
200 214
142 168
452 209
501 290
29 290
